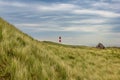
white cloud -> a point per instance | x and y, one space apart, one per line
62 7
105 5
55 27
28 25
100 4
40 27
31 16
93 28
81 29
40 6
15 4
56 7
97 12
89 21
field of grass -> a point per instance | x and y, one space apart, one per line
23 58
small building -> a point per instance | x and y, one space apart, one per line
100 46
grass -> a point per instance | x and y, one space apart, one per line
23 58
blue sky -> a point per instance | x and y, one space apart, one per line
79 22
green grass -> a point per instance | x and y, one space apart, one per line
0 32
23 58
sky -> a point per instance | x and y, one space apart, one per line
78 22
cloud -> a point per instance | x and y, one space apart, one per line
56 7
63 7
56 27
89 21
28 25
101 13
14 4
92 29
100 4
106 5
40 27
81 29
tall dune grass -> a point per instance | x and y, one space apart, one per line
23 58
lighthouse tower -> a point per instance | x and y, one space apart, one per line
60 39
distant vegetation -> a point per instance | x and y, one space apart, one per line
23 58
0 32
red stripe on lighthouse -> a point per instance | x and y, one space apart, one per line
59 40
60 37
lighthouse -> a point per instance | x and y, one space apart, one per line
60 39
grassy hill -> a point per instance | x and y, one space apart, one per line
23 58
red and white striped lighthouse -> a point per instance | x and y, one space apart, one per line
60 39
